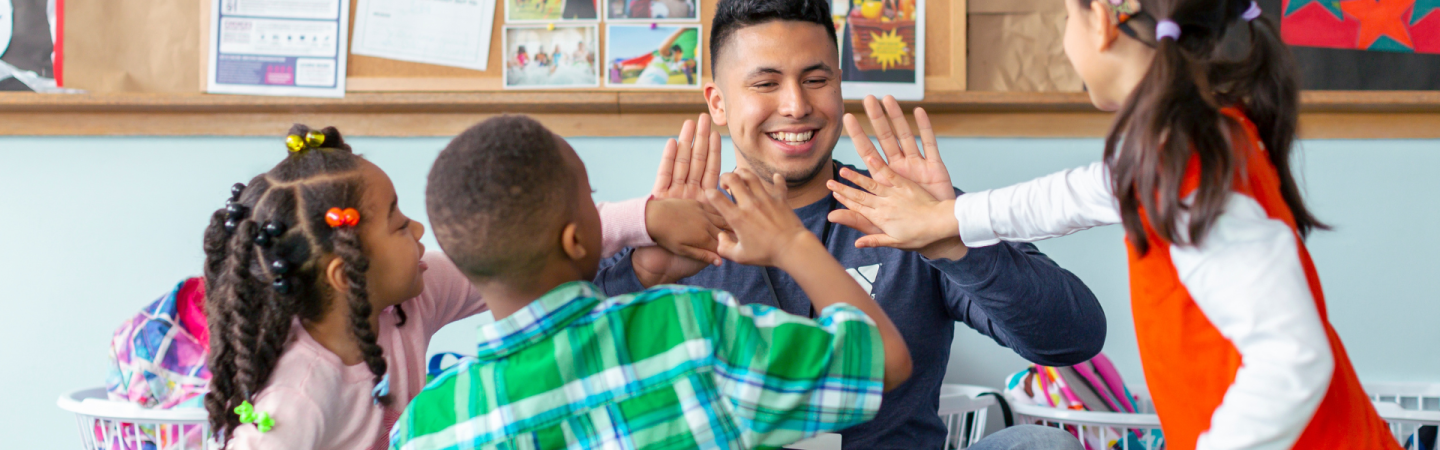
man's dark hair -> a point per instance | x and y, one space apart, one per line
496 193
733 15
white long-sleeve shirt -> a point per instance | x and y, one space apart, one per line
1248 280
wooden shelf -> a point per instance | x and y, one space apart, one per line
609 113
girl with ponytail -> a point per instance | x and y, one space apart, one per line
1234 338
321 300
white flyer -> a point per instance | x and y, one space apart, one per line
7 24
278 47
452 33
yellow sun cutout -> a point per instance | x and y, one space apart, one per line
888 49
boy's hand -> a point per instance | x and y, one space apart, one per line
897 212
684 228
763 228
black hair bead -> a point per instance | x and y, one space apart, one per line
274 228
230 226
262 239
234 211
282 285
280 267
236 190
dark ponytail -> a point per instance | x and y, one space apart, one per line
267 272
1173 116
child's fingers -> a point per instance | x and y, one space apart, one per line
864 182
778 188
883 133
700 154
854 203
927 137
700 254
855 220
902 127
683 155
863 146
877 240
739 190
720 203
667 166
757 193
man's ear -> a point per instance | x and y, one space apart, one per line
335 275
1106 32
716 101
570 242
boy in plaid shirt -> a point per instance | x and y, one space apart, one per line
671 367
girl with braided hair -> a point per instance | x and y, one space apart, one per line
1234 338
321 300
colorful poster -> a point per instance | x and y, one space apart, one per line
543 57
652 10
1408 26
653 56
275 47
882 47
544 11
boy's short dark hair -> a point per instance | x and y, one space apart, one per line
733 15
495 192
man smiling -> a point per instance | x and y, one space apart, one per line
777 89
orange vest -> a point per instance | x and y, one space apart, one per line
1189 365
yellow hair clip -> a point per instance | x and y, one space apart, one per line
297 144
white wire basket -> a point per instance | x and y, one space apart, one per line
1405 406
114 425
962 407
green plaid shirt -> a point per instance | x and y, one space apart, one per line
672 367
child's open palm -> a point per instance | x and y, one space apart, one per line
892 210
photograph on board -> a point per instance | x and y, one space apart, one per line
882 47
653 56
535 11
652 10
537 57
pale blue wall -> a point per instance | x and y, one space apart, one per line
91 229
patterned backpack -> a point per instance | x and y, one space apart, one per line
1093 385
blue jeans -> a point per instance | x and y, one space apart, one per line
1029 437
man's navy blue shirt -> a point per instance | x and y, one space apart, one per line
1009 292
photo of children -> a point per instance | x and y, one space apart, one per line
643 56
881 41
551 10
650 10
539 58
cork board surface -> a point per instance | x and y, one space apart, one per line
114 46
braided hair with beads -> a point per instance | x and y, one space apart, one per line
264 269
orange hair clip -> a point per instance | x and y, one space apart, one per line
347 217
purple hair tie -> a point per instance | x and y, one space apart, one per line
1167 29
1252 13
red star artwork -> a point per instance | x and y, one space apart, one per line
1381 18
1378 25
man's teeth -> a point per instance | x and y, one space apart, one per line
793 138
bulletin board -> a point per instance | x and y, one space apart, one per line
136 55
945 52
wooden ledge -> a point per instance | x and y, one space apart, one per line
612 113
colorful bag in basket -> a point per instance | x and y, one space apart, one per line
157 361
1093 385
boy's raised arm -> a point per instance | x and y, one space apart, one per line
767 232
